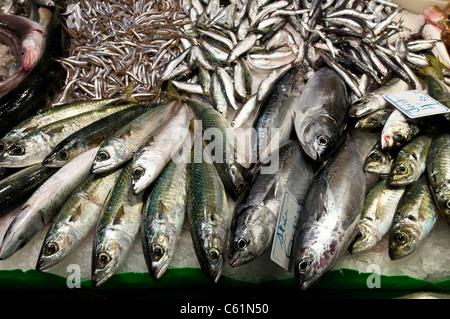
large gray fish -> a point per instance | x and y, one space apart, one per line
44 203
77 217
416 215
330 215
164 212
257 208
123 144
277 112
377 215
117 228
20 185
208 215
321 115
410 162
438 171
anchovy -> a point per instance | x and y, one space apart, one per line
41 207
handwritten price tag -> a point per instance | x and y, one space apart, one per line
284 232
416 103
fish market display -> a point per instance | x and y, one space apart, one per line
173 129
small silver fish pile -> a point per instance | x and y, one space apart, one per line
114 43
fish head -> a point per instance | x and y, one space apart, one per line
371 121
20 155
320 137
110 250
57 245
403 240
250 235
366 104
158 247
110 156
396 136
404 172
212 250
378 162
364 239
146 170
58 158
442 196
32 49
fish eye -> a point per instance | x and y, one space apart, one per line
138 172
103 156
448 204
303 266
102 260
2 147
400 238
398 137
373 119
63 155
322 141
241 243
16 150
157 252
214 254
401 169
51 248
359 235
376 157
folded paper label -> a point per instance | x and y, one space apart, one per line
416 103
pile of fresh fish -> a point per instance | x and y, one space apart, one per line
303 75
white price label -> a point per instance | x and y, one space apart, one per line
284 233
416 103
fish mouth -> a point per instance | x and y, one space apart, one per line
101 167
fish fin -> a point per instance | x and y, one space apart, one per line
127 93
320 208
119 215
76 214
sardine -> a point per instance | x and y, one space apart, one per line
321 115
379 161
123 144
410 162
416 215
377 216
74 221
256 210
398 130
330 215
39 210
151 158
117 228
438 172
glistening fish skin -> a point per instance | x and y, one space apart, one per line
164 213
35 147
92 135
77 217
20 185
330 215
378 161
153 156
410 162
321 116
117 229
377 216
122 145
398 130
256 210
44 203
416 215
277 111
208 215
438 172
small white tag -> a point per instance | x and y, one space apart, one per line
284 233
416 103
